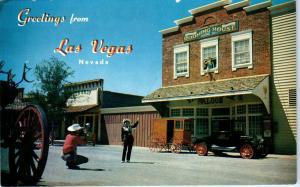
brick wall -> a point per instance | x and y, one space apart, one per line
257 21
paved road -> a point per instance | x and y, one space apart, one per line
148 168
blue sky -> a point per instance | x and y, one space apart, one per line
118 22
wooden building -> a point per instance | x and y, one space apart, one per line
283 85
84 105
116 107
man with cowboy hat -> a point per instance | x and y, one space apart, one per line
127 138
69 152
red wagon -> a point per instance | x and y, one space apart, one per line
172 134
24 132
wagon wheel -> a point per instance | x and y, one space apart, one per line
30 143
176 148
160 147
247 151
201 149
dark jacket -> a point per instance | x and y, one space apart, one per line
127 131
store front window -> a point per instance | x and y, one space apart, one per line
244 118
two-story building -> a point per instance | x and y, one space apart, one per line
217 66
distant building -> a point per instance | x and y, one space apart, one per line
84 105
116 107
105 110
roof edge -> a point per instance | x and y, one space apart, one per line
245 92
283 7
169 30
209 6
237 5
145 108
184 20
245 77
258 6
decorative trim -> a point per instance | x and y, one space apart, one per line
184 20
209 6
237 5
169 30
258 6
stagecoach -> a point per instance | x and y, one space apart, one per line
24 132
172 134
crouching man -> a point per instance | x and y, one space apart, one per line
69 152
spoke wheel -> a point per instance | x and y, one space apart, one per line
154 147
247 151
29 149
201 149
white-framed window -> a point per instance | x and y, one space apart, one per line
209 55
241 47
181 60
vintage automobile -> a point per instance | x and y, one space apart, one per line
227 135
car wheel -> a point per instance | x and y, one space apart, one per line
247 151
201 149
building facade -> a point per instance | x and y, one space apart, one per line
105 110
111 124
283 87
84 105
216 67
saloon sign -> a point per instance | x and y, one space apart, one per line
211 31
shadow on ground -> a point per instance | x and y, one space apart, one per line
89 169
141 162
9 180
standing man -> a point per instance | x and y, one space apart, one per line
127 138
69 152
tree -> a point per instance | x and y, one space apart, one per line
51 75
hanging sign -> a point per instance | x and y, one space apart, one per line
211 31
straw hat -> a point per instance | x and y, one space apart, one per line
75 127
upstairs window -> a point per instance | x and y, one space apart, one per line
181 60
242 50
209 55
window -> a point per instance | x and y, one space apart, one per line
255 108
177 125
202 112
202 122
175 112
241 109
220 111
181 60
242 50
209 55
188 112
188 125
255 125
240 124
